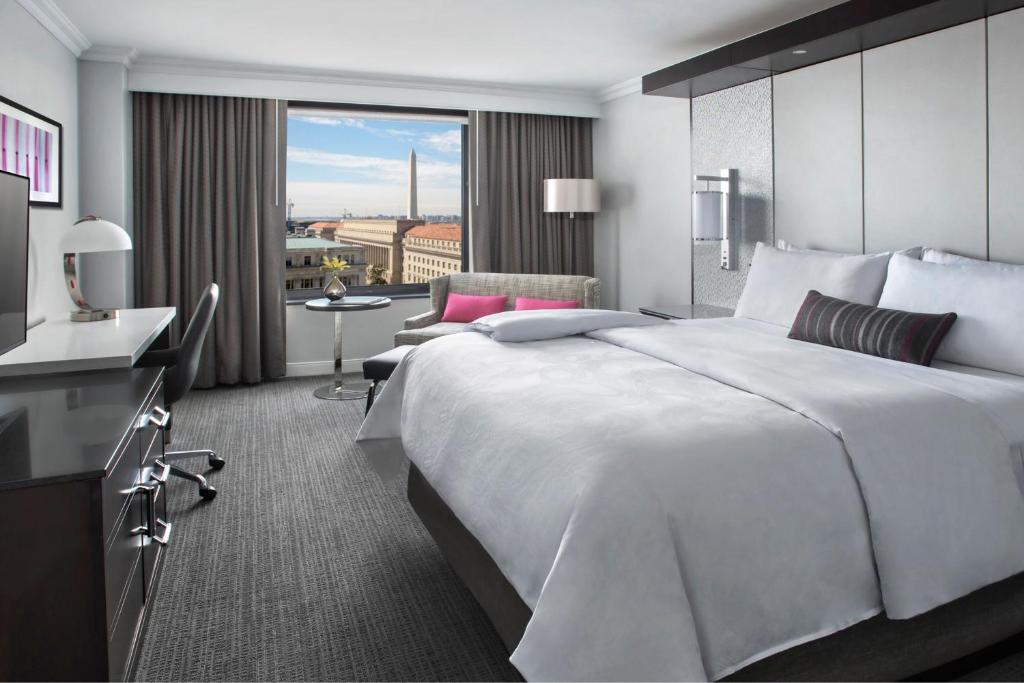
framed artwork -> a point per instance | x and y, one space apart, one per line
32 145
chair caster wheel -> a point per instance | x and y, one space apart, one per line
208 493
216 462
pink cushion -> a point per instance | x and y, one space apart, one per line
465 308
526 304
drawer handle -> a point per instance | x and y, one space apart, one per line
158 417
150 492
165 472
163 538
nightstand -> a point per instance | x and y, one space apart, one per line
686 311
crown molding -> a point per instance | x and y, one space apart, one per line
107 53
205 77
190 67
631 86
56 22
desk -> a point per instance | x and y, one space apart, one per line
60 345
84 521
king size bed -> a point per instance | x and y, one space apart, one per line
631 499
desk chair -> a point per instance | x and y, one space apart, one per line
182 364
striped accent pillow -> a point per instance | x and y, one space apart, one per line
896 335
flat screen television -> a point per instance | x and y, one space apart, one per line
13 260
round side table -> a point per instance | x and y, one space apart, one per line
336 391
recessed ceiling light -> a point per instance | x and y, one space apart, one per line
799 52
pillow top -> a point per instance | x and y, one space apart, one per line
779 280
896 335
465 308
527 304
944 257
912 252
987 298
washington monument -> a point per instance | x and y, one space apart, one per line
413 211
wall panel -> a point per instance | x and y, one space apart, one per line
642 234
733 129
925 142
1006 136
818 161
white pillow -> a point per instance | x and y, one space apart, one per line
944 257
779 281
988 299
912 252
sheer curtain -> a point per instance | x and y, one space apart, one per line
208 181
510 156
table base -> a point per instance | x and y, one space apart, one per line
332 392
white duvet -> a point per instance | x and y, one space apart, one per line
680 500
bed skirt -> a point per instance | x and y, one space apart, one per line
937 645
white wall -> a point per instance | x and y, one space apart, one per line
105 169
366 333
38 72
642 234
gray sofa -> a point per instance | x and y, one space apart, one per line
426 326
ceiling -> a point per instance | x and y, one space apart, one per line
584 45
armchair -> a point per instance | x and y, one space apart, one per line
586 291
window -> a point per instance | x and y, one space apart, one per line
380 188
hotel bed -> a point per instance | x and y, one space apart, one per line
709 499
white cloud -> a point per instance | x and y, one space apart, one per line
400 133
332 121
428 174
448 142
333 199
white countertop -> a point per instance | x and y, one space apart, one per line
61 345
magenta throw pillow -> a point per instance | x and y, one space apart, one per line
526 304
465 308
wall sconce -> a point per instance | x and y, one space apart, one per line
713 213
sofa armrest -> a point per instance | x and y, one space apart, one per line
422 320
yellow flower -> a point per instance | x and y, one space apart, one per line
334 263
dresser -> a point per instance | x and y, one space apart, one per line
83 521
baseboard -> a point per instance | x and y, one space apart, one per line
322 367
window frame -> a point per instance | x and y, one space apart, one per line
398 290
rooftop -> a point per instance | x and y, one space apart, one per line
312 243
437 231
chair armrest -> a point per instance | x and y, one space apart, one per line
159 358
422 320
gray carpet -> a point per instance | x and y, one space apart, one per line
306 566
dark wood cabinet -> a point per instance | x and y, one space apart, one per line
83 521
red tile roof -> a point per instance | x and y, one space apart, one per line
437 231
327 224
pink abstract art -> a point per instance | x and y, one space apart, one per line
30 146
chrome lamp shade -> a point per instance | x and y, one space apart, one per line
572 195
707 215
90 234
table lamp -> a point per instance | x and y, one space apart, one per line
571 195
90 234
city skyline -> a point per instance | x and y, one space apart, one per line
344 165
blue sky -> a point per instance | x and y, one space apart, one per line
338 163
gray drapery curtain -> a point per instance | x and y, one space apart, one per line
208 181
510 156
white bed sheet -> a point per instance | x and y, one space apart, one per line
1015 423
688 532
